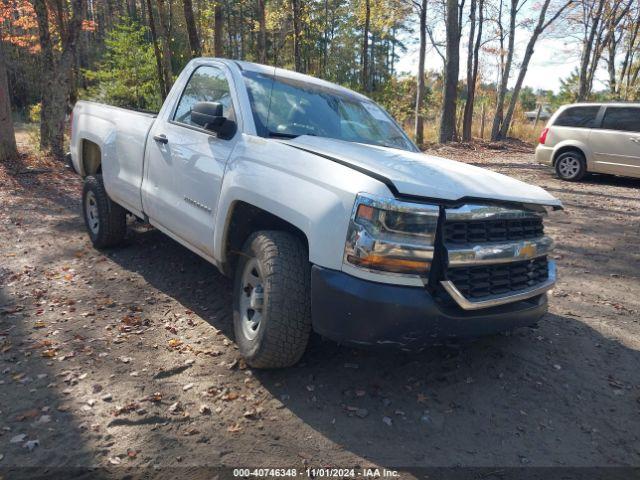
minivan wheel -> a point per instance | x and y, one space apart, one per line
571 166
272 300
106 221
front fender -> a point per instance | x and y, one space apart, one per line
310 192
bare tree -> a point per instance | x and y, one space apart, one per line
623 36
629 63
364 59
192 31
156 49
8 149
451 72
57 85
262 32
419 121
505 72
163 36
218 23
473 62
297 34
540 27
600 20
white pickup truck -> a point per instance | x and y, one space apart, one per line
325 213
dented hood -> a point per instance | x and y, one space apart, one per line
421 175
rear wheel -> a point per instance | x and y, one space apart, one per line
272 300
106 221
571 166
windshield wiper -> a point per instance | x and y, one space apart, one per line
281 135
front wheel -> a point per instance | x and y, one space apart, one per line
272 300
106 221
571 166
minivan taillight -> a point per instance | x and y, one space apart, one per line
543 136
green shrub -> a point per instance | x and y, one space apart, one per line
127 76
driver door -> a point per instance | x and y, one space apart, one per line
187 162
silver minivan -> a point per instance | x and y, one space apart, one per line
592 137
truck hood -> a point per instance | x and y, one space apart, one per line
428 176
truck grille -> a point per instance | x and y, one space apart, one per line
495 230
499 279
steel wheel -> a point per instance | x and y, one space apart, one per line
251 299
91 212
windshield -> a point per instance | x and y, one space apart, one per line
287 108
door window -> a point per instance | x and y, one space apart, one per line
581 117
207 84
626 119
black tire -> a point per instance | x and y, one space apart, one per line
281 262
571 166
105 220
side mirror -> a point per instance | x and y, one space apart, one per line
208 115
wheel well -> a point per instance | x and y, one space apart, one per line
246 219
566 149
91 158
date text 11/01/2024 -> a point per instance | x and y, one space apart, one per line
316 472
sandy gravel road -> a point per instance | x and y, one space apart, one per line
125 358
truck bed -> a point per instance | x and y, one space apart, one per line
121 136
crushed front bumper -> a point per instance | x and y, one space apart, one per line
359 312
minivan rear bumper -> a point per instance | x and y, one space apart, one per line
544 154
354 311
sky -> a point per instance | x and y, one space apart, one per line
553 59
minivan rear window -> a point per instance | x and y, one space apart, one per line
582 117
626 119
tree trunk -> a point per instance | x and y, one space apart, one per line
163 34
472 67
451 71
419 125
46 47
541 26
156 49
585 59
218 21
8 149
192 31
364 79
58 83
297 57
262 33
498 117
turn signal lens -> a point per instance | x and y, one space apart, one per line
365 212
395 265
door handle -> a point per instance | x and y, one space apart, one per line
161 139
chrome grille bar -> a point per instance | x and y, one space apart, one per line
465 255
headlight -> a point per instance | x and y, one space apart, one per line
387 235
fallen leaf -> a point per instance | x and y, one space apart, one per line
33 413
230 396
234 428
18 438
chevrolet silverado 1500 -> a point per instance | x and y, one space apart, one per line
322 209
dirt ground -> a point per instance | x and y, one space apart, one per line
125 358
